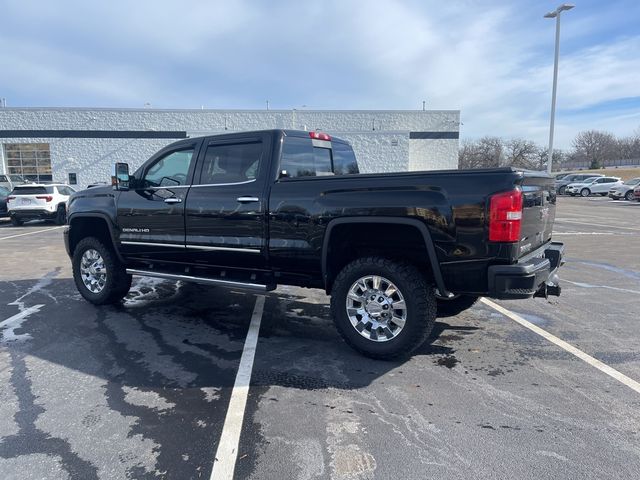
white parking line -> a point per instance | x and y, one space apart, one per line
563 220
20 316
224 462
603 367
618 234
589 285
32 233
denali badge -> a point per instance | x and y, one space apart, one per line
135 230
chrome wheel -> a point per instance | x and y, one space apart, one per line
376 308
93 271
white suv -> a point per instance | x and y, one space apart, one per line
600 185
34 200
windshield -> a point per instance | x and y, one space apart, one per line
633 181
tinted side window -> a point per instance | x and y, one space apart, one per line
170 170
301 159
231 163
344 160
3 178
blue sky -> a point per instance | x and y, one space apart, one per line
492 60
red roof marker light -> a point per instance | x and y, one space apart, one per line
320 136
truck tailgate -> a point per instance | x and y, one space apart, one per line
538 211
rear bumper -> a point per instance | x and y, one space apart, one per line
535 276
34 213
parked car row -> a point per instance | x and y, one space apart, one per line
564 180
585 185
32 201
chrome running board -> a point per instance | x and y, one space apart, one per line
203 280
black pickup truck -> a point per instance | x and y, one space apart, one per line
253 210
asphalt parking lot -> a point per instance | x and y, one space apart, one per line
142 390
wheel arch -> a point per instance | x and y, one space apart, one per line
328 276
79 224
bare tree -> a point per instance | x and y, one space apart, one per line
628 147
595 146
483 153
522 153
559 158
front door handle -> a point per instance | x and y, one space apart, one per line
248 199
172 200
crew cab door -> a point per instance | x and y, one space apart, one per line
151 214
225 208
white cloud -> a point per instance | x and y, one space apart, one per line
492 60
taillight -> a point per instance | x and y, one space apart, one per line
46 198
505 216
10 198
320 136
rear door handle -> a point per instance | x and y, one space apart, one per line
172 200
248 199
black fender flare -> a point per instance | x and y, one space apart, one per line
422 228
107 221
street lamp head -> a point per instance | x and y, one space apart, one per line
562 8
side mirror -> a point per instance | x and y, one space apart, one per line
120 176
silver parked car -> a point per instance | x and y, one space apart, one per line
597 185
625 190
10 181
561 184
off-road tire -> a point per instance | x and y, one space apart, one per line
118 281
420 300
16 222
454 306
61 215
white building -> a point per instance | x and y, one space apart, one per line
62 143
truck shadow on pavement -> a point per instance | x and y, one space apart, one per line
151 378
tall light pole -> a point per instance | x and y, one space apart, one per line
555 14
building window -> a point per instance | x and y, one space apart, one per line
31 161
